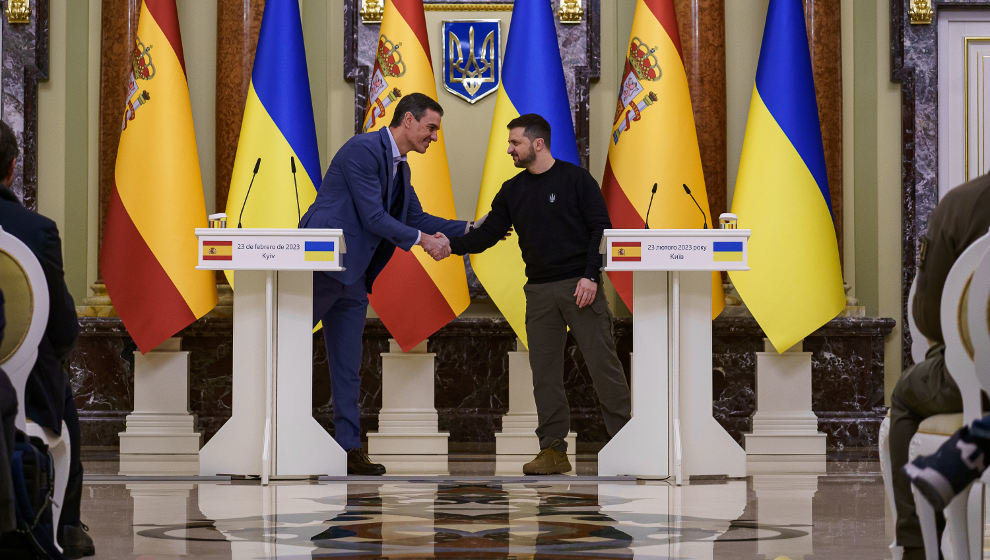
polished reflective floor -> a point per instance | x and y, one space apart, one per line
837 512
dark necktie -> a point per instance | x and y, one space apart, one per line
395 203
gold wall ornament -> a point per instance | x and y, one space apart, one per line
372 10
18 11
570 11
469 7
920 12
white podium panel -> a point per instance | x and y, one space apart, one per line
672 431
272 432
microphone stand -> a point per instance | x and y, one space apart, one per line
650 205
257 164
292 162
703 216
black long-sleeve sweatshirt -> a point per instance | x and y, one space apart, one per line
558 215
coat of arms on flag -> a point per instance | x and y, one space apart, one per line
641 65
471 57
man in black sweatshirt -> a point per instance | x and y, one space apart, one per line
558 211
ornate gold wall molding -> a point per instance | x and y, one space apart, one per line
372 10
570 11
469 7
18 11
920 12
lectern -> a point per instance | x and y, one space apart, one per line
272 432
672 431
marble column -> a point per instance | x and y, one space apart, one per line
238 24
701 26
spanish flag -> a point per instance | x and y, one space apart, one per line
795 282
414 295
149 252
654 140
532 82
278 127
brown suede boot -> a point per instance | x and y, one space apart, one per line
549 461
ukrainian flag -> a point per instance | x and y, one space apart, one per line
532 82
278 125
795 282
318 250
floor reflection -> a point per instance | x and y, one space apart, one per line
763 516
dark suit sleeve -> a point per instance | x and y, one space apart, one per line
596 219
429 223
63 326
360 171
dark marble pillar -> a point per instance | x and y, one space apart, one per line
914 64
238 24
25 62
701 25
118 28
824 22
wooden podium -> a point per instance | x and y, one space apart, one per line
272 432
672 431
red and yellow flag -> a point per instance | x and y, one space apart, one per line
654 140
414 295
149 252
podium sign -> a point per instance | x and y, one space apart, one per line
271 433
275 249
672 431
690 249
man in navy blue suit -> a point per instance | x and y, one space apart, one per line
48 396
367 193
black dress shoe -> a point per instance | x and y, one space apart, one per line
358 463
75 542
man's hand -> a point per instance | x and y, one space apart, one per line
585 292
437 245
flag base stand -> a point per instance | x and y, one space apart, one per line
159 505
784 423
517 443
408 440
160 436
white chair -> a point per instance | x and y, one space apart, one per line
963 515
919 347
26 310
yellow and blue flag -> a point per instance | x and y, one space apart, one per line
318 250
532 82
278 127
795 282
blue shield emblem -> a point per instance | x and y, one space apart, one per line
471 65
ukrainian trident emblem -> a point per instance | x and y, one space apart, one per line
642 65
471 58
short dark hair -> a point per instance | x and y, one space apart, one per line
535 127
415 103
8 147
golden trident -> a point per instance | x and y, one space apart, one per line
472 73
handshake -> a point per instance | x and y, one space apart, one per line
437 245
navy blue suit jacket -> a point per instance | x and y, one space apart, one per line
353 198
44 394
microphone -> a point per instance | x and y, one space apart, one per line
292 162
703 217
650 205
257 164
